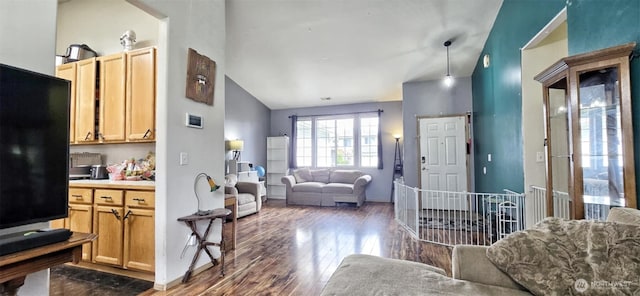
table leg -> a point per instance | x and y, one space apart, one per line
187 274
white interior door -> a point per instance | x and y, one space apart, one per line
443 160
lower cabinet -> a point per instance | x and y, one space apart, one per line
124 221
80 216
139 231
108 225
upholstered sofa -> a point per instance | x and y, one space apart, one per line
604 262
247 195
325 187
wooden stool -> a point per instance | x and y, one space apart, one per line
202 239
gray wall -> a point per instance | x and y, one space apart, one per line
391 122
247 119
28 31
430 98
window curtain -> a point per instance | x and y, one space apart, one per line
380 165
293 142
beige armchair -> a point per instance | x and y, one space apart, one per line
247 194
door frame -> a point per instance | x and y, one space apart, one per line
467 128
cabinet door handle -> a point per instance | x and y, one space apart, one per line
77 196
115 213
100 136
127 215
86 138
146 134
139 199
106 197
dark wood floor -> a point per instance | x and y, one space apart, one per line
293 250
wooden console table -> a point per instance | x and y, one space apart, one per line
202 238
231 203
15 267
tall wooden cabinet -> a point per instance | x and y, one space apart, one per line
86 101
277 166
588 131
141 95
69 72
113 98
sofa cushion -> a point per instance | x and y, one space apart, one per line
321 175
372 275
308 187
344 176
571 257
624 215
338 188
302 175
245 198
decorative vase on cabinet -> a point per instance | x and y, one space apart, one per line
277 166
589 132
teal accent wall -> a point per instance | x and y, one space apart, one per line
595 24
497 98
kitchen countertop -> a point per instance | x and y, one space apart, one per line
139 185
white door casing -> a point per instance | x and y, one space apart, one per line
443 160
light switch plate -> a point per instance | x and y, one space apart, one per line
184 158
539 156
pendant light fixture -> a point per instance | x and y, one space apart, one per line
448 80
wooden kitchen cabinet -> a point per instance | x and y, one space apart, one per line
80 216
139 231
124 221
86 101
68 72
107 224
141 94
112 98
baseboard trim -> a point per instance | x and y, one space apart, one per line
178 281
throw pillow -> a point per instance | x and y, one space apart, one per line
624 215
302 175
572 257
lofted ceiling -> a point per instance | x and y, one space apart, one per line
292 53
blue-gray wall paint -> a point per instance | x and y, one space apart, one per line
391 122
593 25
247 119
429 99
497 98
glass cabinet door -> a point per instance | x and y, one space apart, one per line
558 145
600 141
589 133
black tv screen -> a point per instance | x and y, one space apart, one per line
34 147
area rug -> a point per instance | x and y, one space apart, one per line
70 280
452 220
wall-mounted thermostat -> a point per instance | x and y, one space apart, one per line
194 121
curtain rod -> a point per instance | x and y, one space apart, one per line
336 114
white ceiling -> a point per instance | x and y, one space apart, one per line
291 53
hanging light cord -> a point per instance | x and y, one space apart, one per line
446 44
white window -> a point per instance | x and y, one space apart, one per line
337 141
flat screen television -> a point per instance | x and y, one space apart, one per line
34 147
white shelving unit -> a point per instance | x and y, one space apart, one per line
277 166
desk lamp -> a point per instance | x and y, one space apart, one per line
213 186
